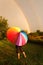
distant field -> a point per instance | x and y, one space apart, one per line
8 54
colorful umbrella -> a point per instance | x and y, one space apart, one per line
15 35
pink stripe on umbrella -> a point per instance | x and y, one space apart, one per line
19 40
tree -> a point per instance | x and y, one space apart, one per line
3 27
38 31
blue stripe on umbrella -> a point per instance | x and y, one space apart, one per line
25 35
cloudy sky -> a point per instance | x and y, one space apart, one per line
27 14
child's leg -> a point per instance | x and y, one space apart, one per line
18 52
18 55
22 51
24 54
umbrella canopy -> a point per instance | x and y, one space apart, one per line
16 36
22 39
12 34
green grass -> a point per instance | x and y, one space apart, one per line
8 54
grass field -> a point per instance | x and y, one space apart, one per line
8 54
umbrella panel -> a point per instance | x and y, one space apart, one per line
12 36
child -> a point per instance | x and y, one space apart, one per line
18 50
22 40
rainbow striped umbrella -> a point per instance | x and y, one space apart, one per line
16 36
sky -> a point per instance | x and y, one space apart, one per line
27 14
33 10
